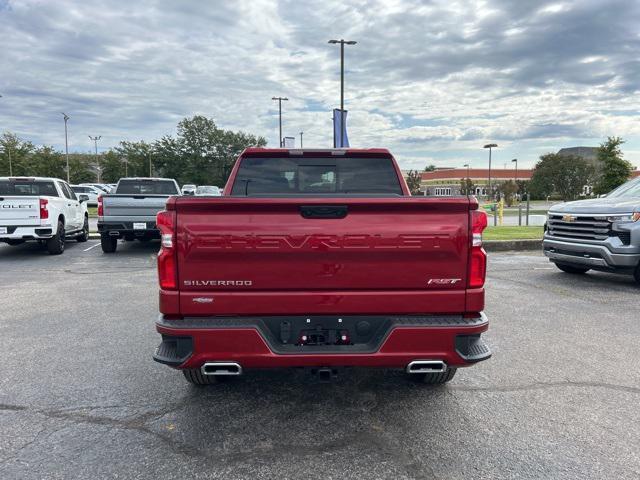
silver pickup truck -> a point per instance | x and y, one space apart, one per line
130 212
598 234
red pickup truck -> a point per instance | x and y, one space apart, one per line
320 259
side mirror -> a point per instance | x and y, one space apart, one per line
83 198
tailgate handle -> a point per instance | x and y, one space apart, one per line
323 211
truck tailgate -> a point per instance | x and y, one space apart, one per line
328 255
118 207
19 211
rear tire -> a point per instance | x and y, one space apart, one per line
571 269
55 245
84 236
195 376
434 378
636 274
108 243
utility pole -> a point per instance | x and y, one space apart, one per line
301 139
66 143
280 99
95 141
342 43
490 146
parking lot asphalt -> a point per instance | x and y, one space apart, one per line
80 396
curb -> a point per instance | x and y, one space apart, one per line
506 245
94 236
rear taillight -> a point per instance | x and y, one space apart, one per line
167 255
100 206
44 209
477 255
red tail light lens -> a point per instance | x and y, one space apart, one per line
100 206
167 274
44 209
477 255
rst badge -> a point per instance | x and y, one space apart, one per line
443 281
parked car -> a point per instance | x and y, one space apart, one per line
306 262
188 189
91 192
596 234
43 209
100 186
130 212
207 191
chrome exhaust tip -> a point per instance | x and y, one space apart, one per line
221 368
427 366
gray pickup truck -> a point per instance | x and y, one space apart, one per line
597 234
130 212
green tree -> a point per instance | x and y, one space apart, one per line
137 157
508 190
562 175
614 170
429 168
82 168
45 161
413 181
201 153
467 186
14 158
113 167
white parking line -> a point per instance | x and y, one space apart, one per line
92 246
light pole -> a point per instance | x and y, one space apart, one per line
280 99
515 178
342 43
8 150
466 187
490 146
301 139
66 142
95 141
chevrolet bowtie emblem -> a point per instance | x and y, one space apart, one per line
568 218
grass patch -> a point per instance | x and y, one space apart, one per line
92 211
512 233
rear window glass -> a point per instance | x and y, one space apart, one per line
27 188
81 189
316 176
147 187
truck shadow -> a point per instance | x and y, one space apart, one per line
285 413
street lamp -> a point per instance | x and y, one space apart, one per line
490 146
95 141
342 43
515 178
301 139
466 187
280 99
66 142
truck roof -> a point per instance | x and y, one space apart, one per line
302 151
32 179
146 178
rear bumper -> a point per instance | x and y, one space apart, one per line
588 254
190 342
31 232
122 228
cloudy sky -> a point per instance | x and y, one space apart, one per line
431 80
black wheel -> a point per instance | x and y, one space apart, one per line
195 376
434 378
636 273
55 245
108 243
84 236
13 243
572 269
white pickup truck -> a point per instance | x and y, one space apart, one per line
42 209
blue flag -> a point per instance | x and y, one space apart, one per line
340 124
